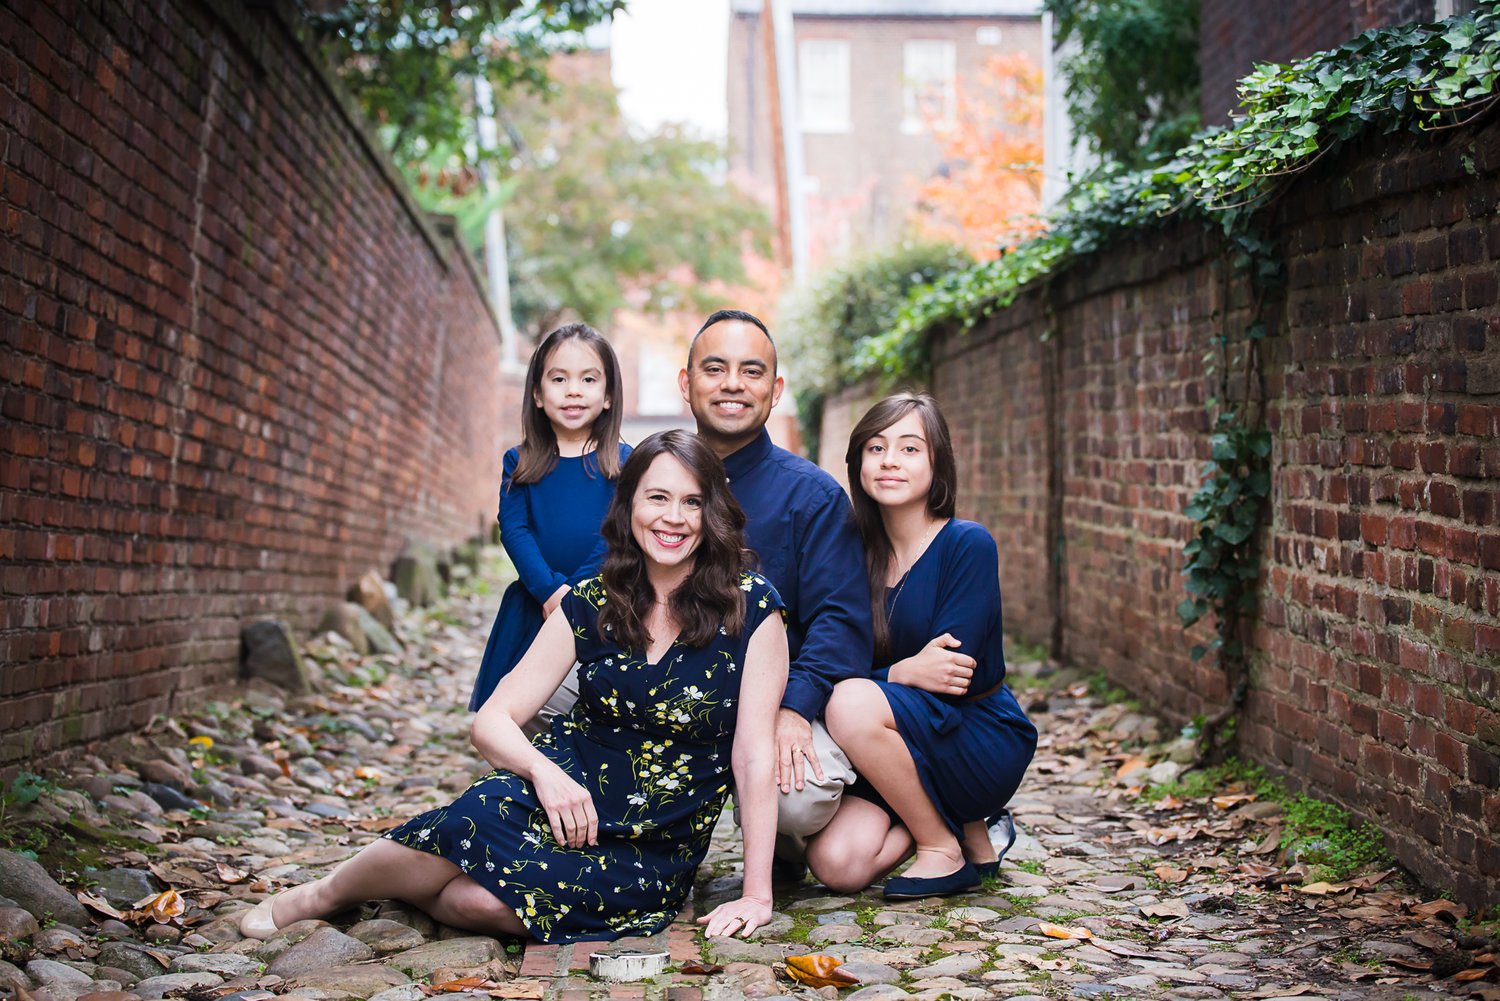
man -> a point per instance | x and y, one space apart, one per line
801 526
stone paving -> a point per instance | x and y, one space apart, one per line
149 847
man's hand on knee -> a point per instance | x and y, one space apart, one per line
794 750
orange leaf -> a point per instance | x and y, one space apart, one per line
162 908
1132 764
1167 874
460 984
1473 973
1445 910
229 874
1058 931
819 971
694 969
1233 799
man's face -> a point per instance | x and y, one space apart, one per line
731 384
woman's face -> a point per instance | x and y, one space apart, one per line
895 467
666 514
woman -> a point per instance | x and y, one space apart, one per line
938 740
596 830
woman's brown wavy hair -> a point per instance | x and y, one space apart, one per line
710 597
942 496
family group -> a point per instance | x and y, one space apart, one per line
708 614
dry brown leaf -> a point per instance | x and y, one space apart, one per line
695 969
1231 800
462 984
1060 931
1043 964
1444 910
377 825
1167 874
518 990
1373 880
180 874
1121 948
1321 889
99 904
1471 974
364 772
229 874
1283 992
1134 763
1431 941
819 971
1410 964
1169 802
1267 844
1165 909
1256 870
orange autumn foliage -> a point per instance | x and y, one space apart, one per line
988 194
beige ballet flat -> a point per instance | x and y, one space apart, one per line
257 922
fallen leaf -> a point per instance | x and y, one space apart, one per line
1165 909
1373 880
819 971
1120 948
695 969
1059 931
1430 941
1267 844
1231 800
1134 763
180 874
203 742
1410 964
376 825
229 874
1167 874
1473 973
163 907
518 990
1282 992
1169 802
363 772
462 984
99 904
1445 910
1320 889
1043 964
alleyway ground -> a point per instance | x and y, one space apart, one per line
1176 899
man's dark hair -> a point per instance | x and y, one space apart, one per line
719 316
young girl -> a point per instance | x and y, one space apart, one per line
555 488
937 738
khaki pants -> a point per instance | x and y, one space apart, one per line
800 814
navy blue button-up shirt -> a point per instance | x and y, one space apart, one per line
801 525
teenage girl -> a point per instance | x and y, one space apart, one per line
555 488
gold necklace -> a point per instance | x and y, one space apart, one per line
901 581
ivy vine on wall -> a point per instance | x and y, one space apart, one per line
1414 78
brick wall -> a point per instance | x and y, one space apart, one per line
238 367
1376 657
1233 36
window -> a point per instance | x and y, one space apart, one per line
927 83
823 84
988 35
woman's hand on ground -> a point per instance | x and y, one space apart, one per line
569 807
736 917
937 668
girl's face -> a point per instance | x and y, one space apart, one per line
896 466
666 514
572 389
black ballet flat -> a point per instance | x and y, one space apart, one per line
1007 824
784 871
912 887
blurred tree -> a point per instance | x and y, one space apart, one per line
988 192
599 217
1133 80
409 62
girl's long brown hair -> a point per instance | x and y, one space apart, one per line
538 452
710 597
942 496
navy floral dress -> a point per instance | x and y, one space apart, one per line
651 743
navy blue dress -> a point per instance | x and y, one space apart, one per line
651 743
970 750
550 530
